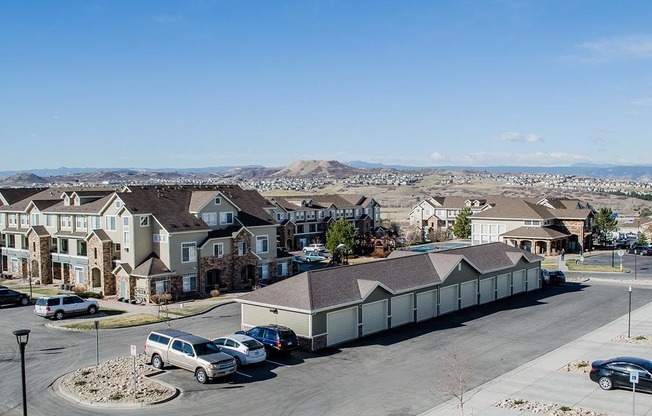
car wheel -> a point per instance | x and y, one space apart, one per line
24 301
238 362
201 376
605 383
92 310
58 315
157 362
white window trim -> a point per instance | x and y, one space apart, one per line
218 200
224 222
221 250
107 223
192 254
262 238
144 221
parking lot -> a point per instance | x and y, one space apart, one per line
393 373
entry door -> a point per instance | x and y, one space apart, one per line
123 289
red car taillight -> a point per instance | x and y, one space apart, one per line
278 344
47 308
593 369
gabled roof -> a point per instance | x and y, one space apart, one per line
20 205
517 209
101 235
40 230
151 266
93 207
326 288
542 233
9 196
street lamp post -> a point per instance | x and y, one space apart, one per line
629 314
22 336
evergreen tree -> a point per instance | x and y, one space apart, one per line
605 223
340 232
462 226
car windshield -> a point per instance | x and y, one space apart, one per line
206 348
251 343
288 335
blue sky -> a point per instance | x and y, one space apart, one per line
150 84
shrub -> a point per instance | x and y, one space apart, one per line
86 295
565 409
641 338
80 383
154 298
79 289
116 396
165 298
215 293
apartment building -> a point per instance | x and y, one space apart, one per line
139 241
542 226
305 219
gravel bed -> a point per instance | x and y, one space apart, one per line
580 366
112 382
634 339
545 408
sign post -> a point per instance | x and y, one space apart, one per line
97 341
633 378
134 352
620 254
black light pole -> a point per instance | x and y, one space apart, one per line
629 315
22 336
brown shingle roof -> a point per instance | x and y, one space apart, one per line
10 196
151 266
545 233
331 287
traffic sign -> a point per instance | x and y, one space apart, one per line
621 253
633 376
134 352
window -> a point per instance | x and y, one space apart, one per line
95 222
66 221
81 221
126 239
117 247
118 203
189 282
262 244
13 220
159 238
63 245
263 271
279 216
81 248
125 221
226 218
242 248
218 250
49 220
144 221
110 223
218 200
2 219
210 218
24 220
162 287
282 269
188 252
35 220
14 265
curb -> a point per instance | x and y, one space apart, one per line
74 399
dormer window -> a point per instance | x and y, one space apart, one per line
218 200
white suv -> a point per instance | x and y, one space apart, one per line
59 306
314 248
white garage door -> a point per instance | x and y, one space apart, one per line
426 305
504 286
519 282
487 290
342 325
532 279
469 293
402 309
448 299
374 317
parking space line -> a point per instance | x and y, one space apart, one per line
279 364
243 374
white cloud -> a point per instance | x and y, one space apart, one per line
512 136
519 159
437 157
617 48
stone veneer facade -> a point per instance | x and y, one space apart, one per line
99 257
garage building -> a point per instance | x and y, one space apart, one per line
330 306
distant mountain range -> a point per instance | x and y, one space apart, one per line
302 168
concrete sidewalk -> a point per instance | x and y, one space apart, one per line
544 380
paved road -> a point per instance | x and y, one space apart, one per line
390 374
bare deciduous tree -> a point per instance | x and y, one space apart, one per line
456 377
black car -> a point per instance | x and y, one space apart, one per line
552 277
11 297
615 373
275 338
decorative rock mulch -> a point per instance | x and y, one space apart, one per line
545 408
580 366
112 382
634 339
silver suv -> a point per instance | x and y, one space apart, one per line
60 306
190 352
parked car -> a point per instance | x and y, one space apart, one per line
243 348
11 297
189 352
615 372
552 277
314 248
275 338
645 251
60 306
